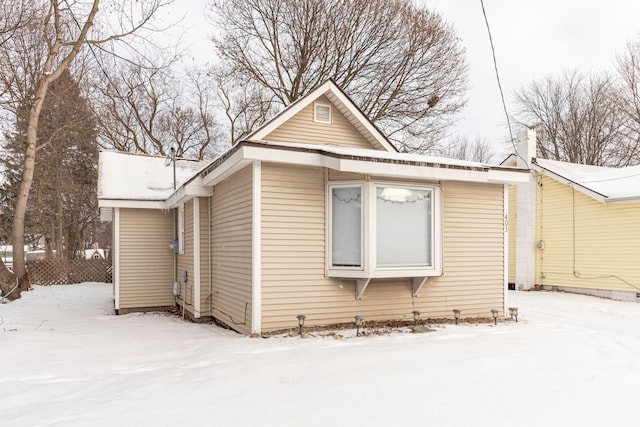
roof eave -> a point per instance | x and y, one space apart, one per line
132 203
249 151
621 200
193 188
569 183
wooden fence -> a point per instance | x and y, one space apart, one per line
65 271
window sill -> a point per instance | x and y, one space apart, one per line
384 273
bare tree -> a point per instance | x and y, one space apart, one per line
37 54
12 17
244 103
478 150
147 109
578 119
628 65
402 64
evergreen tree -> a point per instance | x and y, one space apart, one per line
63 204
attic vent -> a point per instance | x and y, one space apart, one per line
322 113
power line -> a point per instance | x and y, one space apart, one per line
93 52
576 273
610 179
495 67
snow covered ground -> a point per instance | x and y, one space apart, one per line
68 361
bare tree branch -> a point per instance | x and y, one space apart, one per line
578 119
478 150
36 55
150 109
402 64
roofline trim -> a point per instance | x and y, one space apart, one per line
132 203
328 86
315 156
569 182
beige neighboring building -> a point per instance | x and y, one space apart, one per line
586 229
315 213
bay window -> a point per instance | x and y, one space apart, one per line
346 233
403 227
383 230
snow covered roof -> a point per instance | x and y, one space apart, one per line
358 160
380 155
133 180
88 253
128 176
605 184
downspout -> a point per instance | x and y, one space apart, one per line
176 244
175 256
210 260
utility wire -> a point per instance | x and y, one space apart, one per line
495 67
93 52
576 273
610 179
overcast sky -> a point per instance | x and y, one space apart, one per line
532 39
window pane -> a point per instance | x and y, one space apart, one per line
346 217
403 227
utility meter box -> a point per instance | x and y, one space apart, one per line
174 246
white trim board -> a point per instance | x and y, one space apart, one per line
583 189
139 204
381 168
196 258
256 250
116 258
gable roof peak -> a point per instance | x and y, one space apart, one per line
343 103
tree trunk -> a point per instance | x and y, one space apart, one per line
8 283
19 267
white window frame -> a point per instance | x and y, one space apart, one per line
181 228
369 267
315 112
330 225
